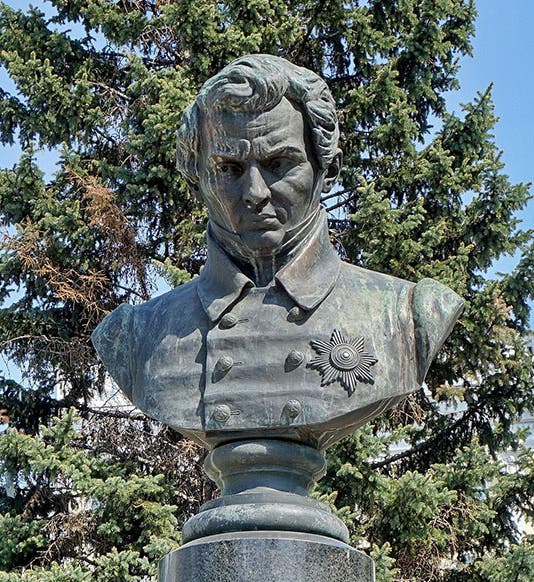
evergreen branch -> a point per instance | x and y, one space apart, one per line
309 29
434 439
67 403
340 204
336 194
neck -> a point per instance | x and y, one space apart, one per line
261 267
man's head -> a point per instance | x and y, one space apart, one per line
260 144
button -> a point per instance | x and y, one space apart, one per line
296 314
224 364
294 360
292 408
228 321
222 413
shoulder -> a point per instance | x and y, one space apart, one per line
434 301
377 289
116 324
436 309
181 297
111 340
126 317
118 336
426 312
373 279
430 300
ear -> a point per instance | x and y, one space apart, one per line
332 173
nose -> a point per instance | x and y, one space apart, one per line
256 193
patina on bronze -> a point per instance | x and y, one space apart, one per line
278 345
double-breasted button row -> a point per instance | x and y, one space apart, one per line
222 412
229 320
225 363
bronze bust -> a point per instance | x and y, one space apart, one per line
277 337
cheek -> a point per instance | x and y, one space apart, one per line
295 188
220 197
222 188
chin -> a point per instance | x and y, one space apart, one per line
263 242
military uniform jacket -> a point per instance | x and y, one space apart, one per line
325 348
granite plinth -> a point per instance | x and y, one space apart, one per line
266 556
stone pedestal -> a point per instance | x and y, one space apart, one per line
264 485
264 527
266 556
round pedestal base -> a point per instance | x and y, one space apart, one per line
264 485
265 510
266 556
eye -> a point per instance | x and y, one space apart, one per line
275 164
229 168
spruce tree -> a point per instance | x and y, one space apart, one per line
102 495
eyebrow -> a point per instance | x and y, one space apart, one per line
231 150
227 154
280 149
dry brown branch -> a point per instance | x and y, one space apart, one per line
104 214
91 289
68 285
409 411
67 532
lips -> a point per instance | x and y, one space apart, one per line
264 221
262 217
271 221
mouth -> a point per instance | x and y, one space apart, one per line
263 221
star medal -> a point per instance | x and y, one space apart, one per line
344 360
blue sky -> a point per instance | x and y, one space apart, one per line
503 49
502 53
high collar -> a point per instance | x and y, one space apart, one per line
307 278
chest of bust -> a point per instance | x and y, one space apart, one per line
257 366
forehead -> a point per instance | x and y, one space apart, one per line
283 123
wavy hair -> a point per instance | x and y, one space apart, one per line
258 83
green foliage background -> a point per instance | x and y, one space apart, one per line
423 194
